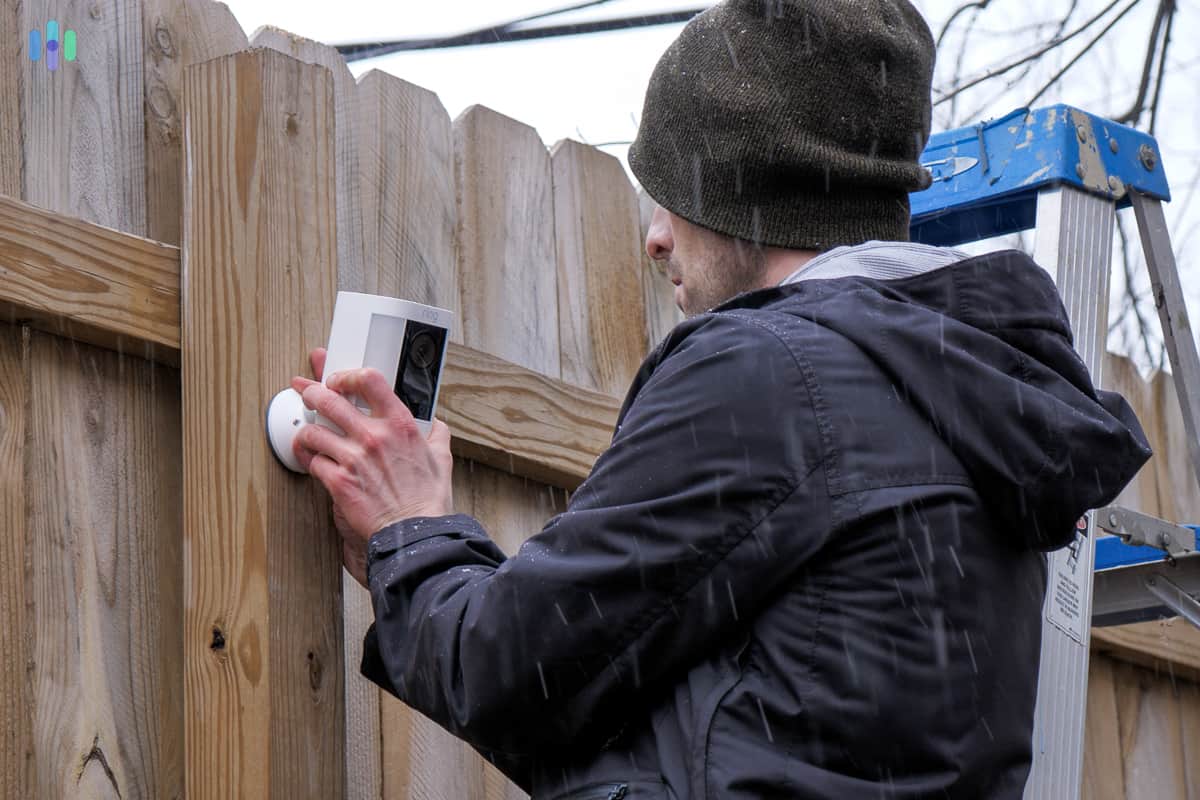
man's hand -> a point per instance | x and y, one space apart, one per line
383 470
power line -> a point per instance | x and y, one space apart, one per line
509 32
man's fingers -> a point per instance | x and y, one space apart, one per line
334 408
316 357
319 440
371 386
300 383
325 470
440 434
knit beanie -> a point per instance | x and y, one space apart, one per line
791 123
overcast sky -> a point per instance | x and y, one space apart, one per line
590 87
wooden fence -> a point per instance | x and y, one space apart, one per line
177 209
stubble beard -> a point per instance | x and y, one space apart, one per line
720 273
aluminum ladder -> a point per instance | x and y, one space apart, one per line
1065 173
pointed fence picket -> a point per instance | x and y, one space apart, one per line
174 617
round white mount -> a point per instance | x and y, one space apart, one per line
286 415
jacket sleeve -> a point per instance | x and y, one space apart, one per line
671 545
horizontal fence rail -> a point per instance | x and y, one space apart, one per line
119 291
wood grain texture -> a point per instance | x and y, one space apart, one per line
262 637
406 180
1103 769
351 269
14 40
16 691
364 775
64 269
1151 745
602 315
501 414
103 515
406 186
1189 723
84 140
522 422
507 274
1169 645
106 599
492 496
661 312
176 33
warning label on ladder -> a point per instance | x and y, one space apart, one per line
1065 599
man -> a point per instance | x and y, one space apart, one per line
809 565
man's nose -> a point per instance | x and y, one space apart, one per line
659 239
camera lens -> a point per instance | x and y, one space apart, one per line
420 367
423 350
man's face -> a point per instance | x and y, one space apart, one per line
706 267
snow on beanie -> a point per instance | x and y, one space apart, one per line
791 123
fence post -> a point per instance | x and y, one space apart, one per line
263 637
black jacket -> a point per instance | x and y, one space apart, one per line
808 565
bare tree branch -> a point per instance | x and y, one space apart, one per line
1012 82
978 6
1036 54
1162 65
1134 113
1081 54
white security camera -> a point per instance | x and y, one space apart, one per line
405 341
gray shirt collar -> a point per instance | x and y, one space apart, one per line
880 260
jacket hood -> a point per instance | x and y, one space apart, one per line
983 349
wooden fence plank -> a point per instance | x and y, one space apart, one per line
1103 769
1176 475
176 33
263 641
14 61
351 269
119 287
1150 743
1121 375
507 273
104 720
364 771
406 178
1189 729
16 696
1170 645
84 135
661 312
501 414
103 499
521 422
602 317
406 182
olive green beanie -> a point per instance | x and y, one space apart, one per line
791 123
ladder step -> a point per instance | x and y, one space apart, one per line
1121 595
986 177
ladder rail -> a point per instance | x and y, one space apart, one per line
1172 313
1074 234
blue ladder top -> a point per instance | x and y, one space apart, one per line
1111 552
986 177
